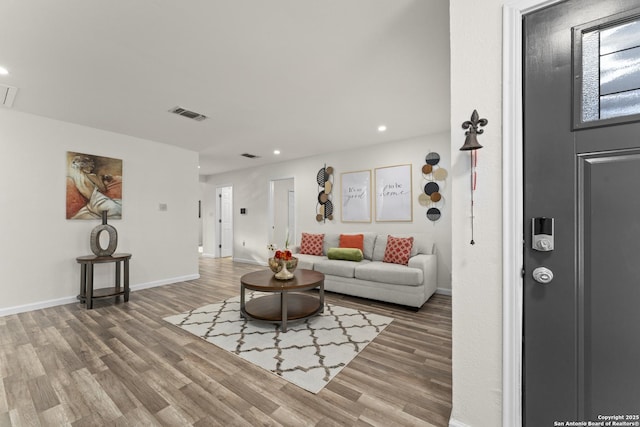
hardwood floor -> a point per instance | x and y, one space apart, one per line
122 365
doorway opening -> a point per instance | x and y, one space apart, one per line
224 222
282 229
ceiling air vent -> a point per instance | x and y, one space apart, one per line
249 156
7 95
188 114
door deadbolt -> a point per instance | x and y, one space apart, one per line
542 275
542 234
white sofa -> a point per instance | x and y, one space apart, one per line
410 285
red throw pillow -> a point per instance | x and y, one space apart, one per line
352 241
398 250
311 244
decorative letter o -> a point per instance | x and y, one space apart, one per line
94 240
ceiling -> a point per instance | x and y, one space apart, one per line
303 76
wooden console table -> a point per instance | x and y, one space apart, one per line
87 293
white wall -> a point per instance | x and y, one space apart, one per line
251 191
476 73
39 246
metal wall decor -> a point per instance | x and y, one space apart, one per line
473 128
324 208
431 197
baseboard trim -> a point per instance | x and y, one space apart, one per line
69 300
205 255
165 282
455 423
443 291
36 306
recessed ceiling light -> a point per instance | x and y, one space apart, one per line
382 128
276 152
198 166
3 71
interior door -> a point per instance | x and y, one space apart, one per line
581 343
226 222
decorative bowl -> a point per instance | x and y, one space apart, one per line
276 266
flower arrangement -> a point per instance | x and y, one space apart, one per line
283 263
283 255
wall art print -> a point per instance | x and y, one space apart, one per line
394 200
94 184
356 196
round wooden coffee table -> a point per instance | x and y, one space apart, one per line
286 303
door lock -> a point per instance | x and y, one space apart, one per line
542 234
542 275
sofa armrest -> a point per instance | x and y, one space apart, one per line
429 266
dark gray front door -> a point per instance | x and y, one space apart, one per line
581 344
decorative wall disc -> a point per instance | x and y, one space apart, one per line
426 169
322 177
440 174
328 209
433 214
328 186
424 200
323 197
432 159
435 196
431 187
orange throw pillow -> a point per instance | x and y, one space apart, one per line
311 244
352 241
398 250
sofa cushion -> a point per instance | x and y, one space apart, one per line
395 274
331 240
398 250
336 267
311 244
369 243
347 254
308 261
380 247
422 244
352 241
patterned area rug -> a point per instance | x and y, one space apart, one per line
309 354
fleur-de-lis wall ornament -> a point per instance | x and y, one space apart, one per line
471 142
473 128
